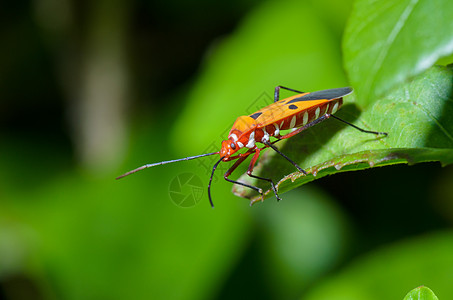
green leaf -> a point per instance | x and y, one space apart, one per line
309 215
386 42
421 293
391 270
417 117
301 50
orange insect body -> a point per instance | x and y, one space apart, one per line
289 113
295 113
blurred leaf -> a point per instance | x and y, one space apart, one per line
360 161
311 222
387 41
97 234
421 293
417 117
240 74
88 235
281 43
388 272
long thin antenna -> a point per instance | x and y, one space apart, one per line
163 163
210 180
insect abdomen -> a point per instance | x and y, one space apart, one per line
299 119
311 114
304 117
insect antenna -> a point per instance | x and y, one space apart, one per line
164 163
210 180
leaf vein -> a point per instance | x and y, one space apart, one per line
391 38
434 119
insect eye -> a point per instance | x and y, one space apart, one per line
233 146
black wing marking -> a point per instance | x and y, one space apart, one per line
255 115
325 94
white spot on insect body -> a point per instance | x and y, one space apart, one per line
234 137
281 124
241 145
327 108
265 137
293 122
251 142
277 130
317 112
335 108
305 119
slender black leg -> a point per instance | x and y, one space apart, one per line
274 189
358 128
245 184
287 158
277 92
250 170
233 167
319 120
313 123
300 129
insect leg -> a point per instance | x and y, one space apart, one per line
233 167
300 129
250 170
293 133
277 92
286 157
313 123
326 116
358 128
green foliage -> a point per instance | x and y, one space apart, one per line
388 272
75 236
415 114
416 117
421 293
387 42
280 43
95 234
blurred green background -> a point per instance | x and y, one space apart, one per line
91 89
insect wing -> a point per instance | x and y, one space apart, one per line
290 106
321 95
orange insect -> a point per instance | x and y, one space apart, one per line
296 113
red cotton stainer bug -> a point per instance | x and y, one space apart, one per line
297 113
